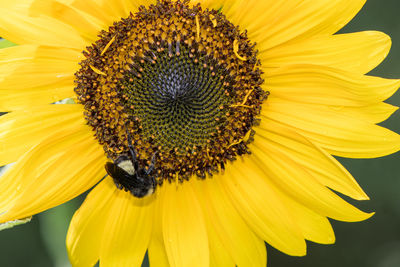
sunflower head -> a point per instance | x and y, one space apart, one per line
184 81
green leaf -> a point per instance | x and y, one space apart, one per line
11 224
5 43
65 101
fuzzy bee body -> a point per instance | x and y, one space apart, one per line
127 174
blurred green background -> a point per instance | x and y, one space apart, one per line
372 243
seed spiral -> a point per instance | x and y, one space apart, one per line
177 100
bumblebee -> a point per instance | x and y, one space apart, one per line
129 176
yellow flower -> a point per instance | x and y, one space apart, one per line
241 103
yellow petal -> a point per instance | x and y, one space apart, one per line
88 224
297 183
257 200
87 25
59 168
271 23
21 130
328 86
357 52
13 100
129 226
374 113
157 254
13 57
18 27
109 11
337 133
184 230
322 166
350 94
313 226
232 242
34 75
45 66
310 224
218 255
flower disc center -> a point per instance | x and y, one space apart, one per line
177 99
182 80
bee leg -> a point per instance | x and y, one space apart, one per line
153 180
132 150
153 162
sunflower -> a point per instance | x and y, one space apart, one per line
217 122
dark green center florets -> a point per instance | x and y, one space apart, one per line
177 98
183 81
